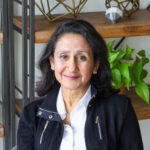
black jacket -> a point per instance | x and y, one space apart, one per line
111 124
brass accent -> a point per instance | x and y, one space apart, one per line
128 7
75 9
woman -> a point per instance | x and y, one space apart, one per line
81 110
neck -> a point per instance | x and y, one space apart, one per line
72 97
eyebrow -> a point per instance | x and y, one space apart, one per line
68 51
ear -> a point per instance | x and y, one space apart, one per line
51 61
96 66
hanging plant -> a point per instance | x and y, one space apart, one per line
128 71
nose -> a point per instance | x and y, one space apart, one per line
72 65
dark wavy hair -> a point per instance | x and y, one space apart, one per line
101 80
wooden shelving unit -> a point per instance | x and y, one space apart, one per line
137 25
1 131
1 37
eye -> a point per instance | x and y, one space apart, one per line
63 57
82 58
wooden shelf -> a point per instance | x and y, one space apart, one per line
18 106
137 25
1 131
1 37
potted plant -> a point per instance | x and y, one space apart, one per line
128 71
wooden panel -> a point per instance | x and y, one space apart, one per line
138 24
1 131
18 106
141 108
1 37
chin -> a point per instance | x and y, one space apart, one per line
74 87
71 87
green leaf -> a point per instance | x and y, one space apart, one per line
144 74
143 91
129 52
116 78
120 55
141 53
113 56
127 82
110 45
124 70
131 74
145 61
137 70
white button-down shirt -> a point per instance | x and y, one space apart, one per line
74 136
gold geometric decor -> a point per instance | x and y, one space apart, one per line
71 7
127 6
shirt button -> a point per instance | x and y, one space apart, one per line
39 113
50 116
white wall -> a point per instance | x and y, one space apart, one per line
145 130
1 143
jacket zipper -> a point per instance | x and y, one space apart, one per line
99 127
47 110
46 124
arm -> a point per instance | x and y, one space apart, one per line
25 135
130 136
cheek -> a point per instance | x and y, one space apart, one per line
87 70
58 67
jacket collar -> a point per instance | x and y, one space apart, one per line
48 108
49 102
93 91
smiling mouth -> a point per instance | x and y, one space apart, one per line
71 77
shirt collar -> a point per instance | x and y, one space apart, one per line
61 106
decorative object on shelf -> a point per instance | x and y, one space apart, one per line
74 9
127 6
114 14
128 71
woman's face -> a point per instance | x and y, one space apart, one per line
73 62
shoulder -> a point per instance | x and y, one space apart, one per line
115 109
117 100
33 105
114 99
30 110
115 104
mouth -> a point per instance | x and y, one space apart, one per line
71 77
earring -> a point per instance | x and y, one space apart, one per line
52 68
94 72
